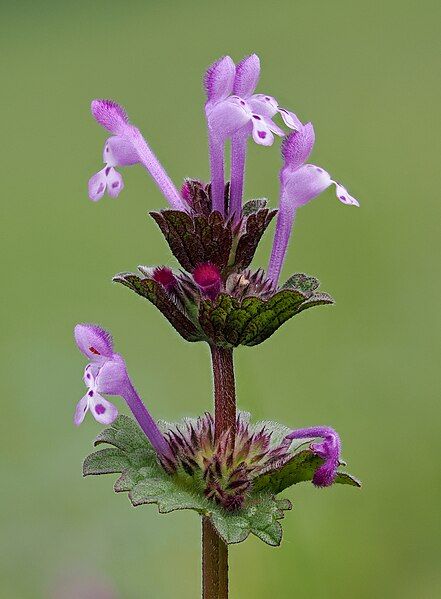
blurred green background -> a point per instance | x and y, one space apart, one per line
367 75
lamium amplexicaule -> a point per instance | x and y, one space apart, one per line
227 468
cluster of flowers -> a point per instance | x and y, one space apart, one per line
234 112
227 468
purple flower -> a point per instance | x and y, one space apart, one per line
106 373
329 449
126 147
299 184
233 110
117 152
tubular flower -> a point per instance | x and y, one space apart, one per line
106 373
127 147
299 184
233 110
329 449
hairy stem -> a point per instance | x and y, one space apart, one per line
214 550
224 390
214 563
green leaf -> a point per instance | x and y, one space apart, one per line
299 468
302 282
230 322
146 482
105 461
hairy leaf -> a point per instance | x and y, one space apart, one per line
299 468
143 478
196 239
231 322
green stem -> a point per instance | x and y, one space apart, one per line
214 550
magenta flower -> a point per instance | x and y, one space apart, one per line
126 147
233 110
208 278
106 373
299 184
329 449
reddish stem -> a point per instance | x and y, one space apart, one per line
214 550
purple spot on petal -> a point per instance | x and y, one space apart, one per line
242 102
90 394
107 171
343 198
261 134
107 148
88 375
320 170
257 117
267 99
100 188
99 408
115 184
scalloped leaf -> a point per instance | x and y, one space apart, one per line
299 468
231 322
255 226
252 206
196 239
302 282
146 482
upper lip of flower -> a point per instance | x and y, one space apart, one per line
299 184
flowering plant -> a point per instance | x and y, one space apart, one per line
222 465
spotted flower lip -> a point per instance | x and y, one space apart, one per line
117 152
102 410
299 184
106 373
233 110
329 449
126 147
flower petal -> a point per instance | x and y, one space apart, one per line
112 378
103 411
297 147
110 115
97 185
227 117
264 105
262 134
81 410
93 341
274 128
301 185
115 183
89 375
247 76
219 79
119 152
344 196
290 119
